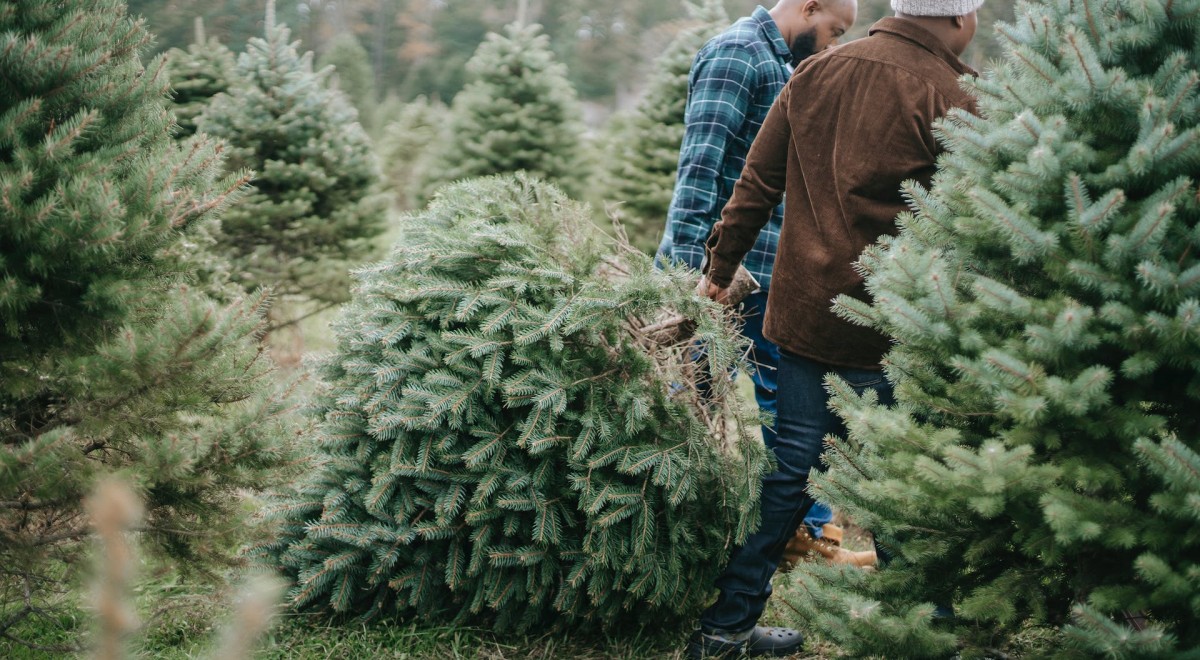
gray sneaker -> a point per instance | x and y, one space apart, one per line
758 641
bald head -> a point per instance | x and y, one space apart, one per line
829 4
811 26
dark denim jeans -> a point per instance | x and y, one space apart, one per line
765 356
803 421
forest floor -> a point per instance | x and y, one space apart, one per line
184 621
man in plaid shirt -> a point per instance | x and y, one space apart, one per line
733 83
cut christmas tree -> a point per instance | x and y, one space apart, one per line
507 439
1044 294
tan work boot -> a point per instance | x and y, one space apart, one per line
832 533
803 546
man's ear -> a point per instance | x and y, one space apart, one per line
811 7
959 21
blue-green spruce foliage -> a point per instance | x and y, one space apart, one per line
1044 295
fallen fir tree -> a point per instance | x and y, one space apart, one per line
510 435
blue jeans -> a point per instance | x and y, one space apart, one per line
764 355
803 421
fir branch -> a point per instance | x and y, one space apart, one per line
1032 66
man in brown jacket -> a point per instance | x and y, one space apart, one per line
848 129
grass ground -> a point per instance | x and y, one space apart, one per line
182 621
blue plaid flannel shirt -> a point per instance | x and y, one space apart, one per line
733 83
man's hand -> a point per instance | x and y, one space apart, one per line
712 291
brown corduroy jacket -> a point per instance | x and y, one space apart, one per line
848 129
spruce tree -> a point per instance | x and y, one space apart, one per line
352 72
640 172
109 360
506 439
316 204
386 112
405 150
197 75
1042 466
518 112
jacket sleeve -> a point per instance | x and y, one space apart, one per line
755 195
719 97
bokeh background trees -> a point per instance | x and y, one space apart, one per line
419 47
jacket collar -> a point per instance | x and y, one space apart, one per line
912 32
767 27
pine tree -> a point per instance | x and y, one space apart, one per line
405 149
352 72
315 205
517 113
1042 466
640 172
109 360
197 75
386 112
501 441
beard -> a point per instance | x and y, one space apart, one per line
803 46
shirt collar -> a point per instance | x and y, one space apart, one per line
912 32
768 28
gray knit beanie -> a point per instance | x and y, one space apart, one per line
936 7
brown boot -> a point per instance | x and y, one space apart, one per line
832 533
803 546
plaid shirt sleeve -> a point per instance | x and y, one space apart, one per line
719 96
